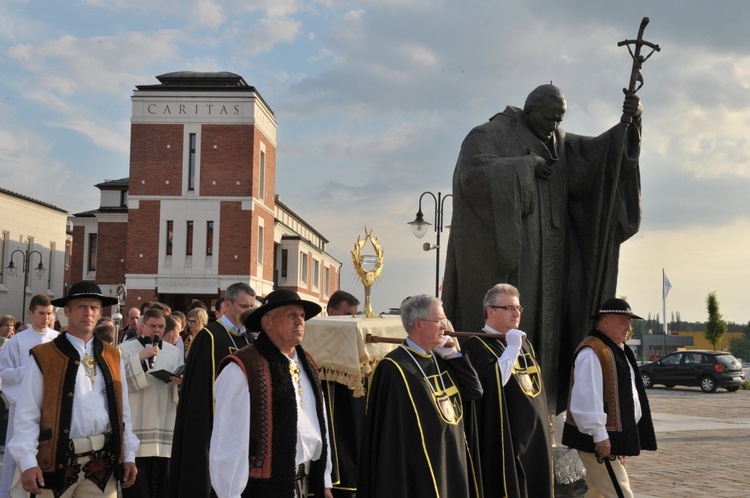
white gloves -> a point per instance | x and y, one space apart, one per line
514 338
447 352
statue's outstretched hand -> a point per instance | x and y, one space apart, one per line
632 106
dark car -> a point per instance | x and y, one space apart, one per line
707 369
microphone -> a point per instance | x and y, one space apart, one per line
156 342
147 340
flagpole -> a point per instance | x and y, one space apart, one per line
664 298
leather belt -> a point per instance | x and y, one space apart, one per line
85 446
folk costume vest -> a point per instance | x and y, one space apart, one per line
626 437
273 424
55 449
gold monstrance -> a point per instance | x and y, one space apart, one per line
368 267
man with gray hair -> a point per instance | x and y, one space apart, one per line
512 430
188 467
414 442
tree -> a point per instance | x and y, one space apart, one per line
716 327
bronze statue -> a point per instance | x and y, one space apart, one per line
530 208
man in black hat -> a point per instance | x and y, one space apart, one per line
608 414
188 466
73 433
282 451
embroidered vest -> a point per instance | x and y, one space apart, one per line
58 361
273 424
626 437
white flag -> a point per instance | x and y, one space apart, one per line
667 285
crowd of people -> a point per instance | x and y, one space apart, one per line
177 406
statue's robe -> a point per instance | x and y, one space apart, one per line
543 235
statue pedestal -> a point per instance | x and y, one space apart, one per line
569 473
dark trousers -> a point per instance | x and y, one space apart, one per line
153 476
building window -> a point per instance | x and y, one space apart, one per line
51 264
191 161
189 242
170 237
124 198
316 273
260 245
326 281
262 175
68 253
303 267
209 238
284 261
92 251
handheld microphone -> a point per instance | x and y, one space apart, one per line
146 340
155 341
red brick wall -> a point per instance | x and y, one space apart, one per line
230 162
132 300
151 161
76 262
236 239
110 263
143 238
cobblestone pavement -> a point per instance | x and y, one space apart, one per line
703 441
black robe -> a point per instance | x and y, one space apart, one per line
346 418
188 466
408 447
510 424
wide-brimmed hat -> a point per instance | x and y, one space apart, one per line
85 289
277 299
616 307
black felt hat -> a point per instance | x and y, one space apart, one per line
85 289
277 299
616 307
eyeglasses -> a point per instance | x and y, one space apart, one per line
508 308
443 322
155 326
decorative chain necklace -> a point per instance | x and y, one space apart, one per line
294 370
231 338
443 401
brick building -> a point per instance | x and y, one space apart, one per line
198 211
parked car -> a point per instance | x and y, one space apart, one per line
707 369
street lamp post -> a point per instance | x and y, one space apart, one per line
25 266
419 228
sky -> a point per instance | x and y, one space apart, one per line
373 99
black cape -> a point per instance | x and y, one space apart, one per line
188 466
408 447
511 425
346 418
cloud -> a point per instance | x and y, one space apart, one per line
69 65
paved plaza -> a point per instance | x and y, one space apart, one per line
703 442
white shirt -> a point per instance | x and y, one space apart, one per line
230 439
90 414
587 396
15 355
